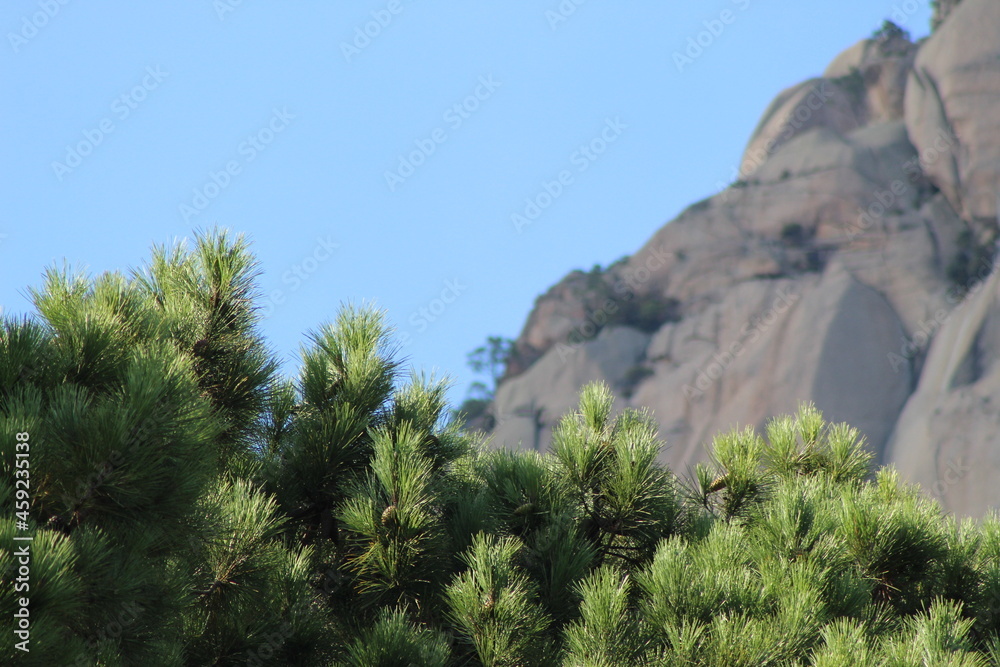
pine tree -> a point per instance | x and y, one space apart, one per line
140 394
189 506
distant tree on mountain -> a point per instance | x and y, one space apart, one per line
890 30
489 360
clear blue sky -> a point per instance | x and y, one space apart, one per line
309 128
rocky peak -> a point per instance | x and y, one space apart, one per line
851 264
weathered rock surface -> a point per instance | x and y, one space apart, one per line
863 85
529 404
948 435
951 107
841 268
942 8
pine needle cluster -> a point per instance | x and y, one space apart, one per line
191 506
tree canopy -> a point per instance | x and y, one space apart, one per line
189 505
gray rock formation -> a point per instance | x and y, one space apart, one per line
948 435
951 107
942 8
851 265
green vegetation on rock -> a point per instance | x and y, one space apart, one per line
189 506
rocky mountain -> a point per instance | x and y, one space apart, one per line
851 265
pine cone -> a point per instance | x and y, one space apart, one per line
718 484
57 522
389 515
526 508
200 347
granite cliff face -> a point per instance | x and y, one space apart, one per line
851 265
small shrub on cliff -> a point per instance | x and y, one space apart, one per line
889 31
633 376
972 261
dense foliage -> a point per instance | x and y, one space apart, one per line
190 506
